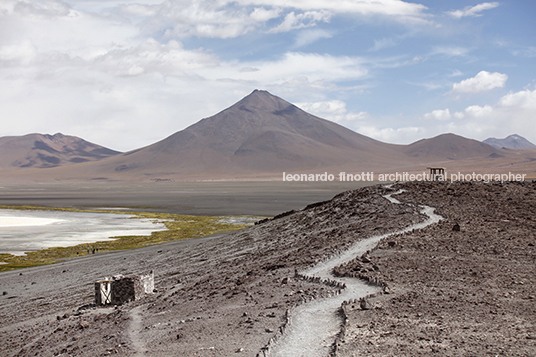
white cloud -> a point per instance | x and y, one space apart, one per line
440 114
450 51
306 37
513 113
233 18
529 51
334 110
203 19
456 73
404 135
261 14
151 56
43 8
477 111
363 7
383 43
293 68
21 53
473 11
483 81
294 21
523 100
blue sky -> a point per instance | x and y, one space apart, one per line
128 73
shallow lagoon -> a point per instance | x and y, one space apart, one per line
24 231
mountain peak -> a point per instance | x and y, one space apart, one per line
259 133
513 141
261 100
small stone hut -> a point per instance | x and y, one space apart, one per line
120 289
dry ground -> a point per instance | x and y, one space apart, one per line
455 293
467 292
215 296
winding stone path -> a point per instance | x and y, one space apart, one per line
314 326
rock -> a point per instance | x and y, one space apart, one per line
364 304
269 330
284 281
84 324
239 350
4 293
456 228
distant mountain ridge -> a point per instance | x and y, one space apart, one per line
259 137
513 141
450 147
47 151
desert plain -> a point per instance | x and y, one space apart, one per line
461 287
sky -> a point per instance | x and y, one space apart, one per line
125 74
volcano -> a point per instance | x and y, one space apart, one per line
260 135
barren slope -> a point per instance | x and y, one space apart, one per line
46 151
453 293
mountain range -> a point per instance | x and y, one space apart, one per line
46 151
259 137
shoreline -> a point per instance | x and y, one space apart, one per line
173 227
31 230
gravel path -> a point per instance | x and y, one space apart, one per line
314 326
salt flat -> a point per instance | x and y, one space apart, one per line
12 221
24 231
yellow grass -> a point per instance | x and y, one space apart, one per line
179 227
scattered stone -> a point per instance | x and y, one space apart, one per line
364 304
